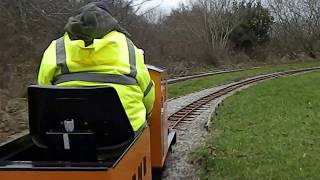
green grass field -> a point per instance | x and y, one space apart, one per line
186 87
269 131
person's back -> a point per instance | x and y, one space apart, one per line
95 51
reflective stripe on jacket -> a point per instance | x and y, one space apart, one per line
112 60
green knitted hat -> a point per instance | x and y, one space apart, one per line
93 22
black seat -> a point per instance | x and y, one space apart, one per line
78 123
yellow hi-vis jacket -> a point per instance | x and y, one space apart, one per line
110 61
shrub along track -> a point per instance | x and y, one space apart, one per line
190 121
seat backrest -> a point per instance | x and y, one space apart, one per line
84 116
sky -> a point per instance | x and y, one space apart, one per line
166 5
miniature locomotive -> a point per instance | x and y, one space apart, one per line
84 134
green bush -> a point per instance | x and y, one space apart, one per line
255 26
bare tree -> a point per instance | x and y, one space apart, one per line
297 24
126 11
219 21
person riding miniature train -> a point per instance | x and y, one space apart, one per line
96 51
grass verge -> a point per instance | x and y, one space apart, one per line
186 87
269 131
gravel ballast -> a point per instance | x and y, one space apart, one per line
190 136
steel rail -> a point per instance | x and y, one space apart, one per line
180 79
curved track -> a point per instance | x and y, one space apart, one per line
184 78
192 110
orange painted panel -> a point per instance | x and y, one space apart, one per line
164 118
158 122
131 165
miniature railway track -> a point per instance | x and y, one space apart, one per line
184 78
188 113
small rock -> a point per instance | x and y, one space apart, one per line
2 125
15 105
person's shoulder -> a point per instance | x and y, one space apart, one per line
115 33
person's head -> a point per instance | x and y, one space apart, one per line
93 22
